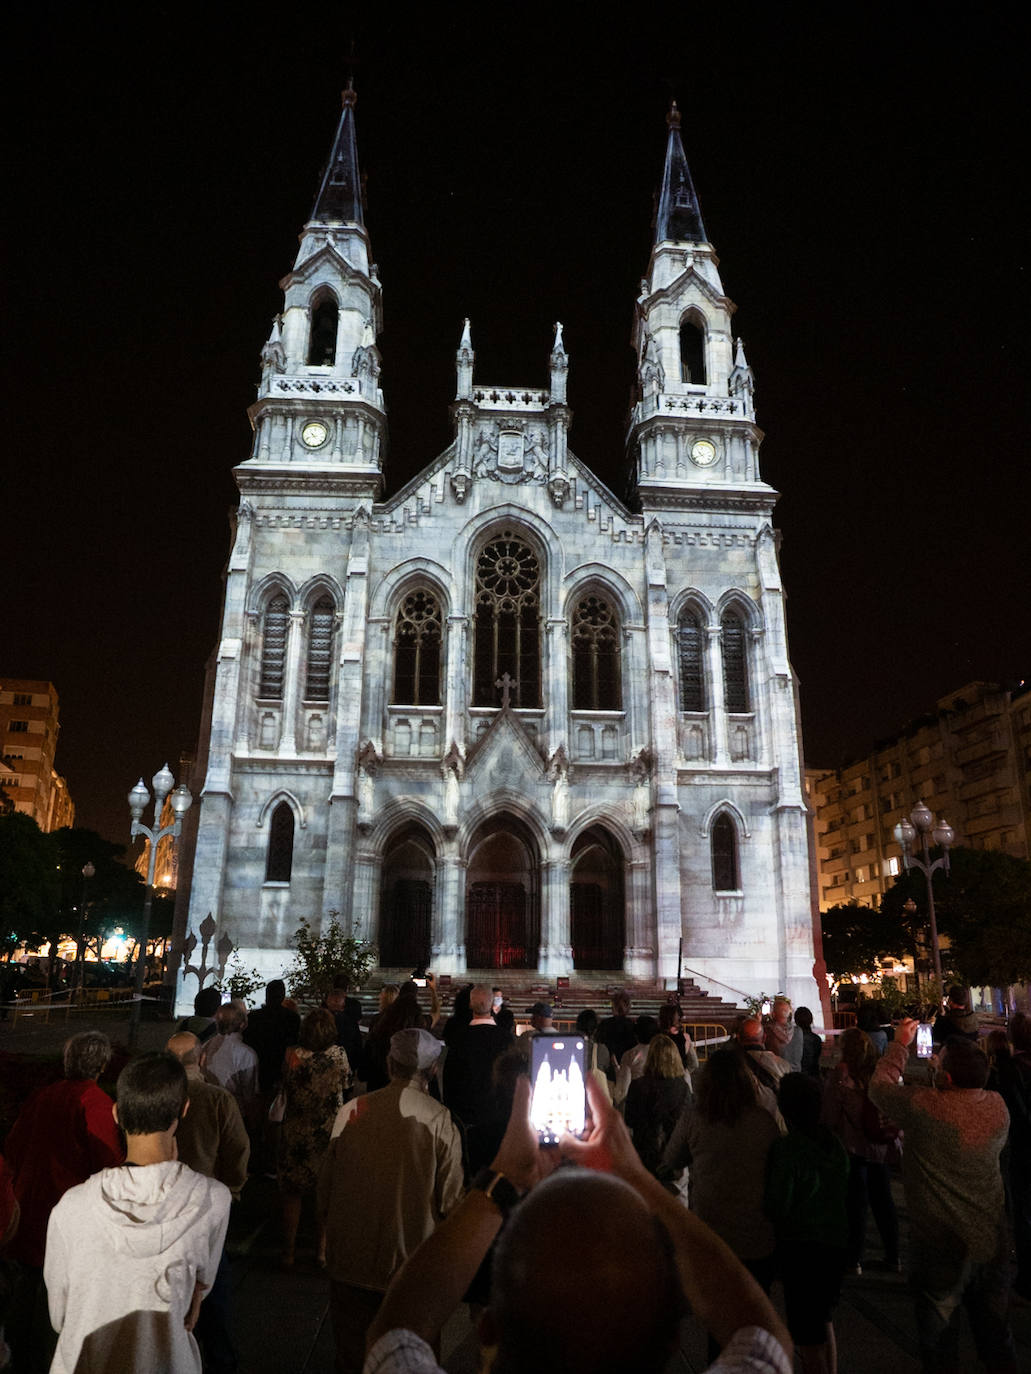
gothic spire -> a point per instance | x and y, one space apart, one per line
679 216
340 195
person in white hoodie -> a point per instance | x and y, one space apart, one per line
131 1251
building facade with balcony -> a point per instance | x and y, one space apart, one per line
502 718
969 759
29 726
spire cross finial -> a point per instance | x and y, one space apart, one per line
505 684
673 118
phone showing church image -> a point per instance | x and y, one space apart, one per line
559 1101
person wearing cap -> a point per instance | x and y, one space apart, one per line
392 1174
540 1019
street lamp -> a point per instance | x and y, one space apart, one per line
88 871
919 823
181 801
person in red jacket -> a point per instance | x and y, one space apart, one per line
65 1133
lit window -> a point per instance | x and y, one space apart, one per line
724 855
596 672
506 636
280 861
690 648
273 648
735 665
417 637
320 650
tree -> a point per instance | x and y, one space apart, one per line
322 958
29 887
983 909
856 938
113 897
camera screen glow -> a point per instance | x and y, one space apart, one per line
559 1101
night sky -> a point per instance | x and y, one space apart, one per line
862 177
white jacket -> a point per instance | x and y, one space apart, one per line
124 1250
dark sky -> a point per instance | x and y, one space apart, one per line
862 176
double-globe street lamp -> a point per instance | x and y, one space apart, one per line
181 801
920 822
88 871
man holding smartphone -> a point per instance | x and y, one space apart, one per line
606 1314
955 1133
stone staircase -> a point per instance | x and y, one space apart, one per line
522 987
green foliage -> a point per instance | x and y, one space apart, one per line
322 958
29 887
983 909
754 1005
240 983
856 938
113 896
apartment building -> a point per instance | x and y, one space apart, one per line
969 759
29 728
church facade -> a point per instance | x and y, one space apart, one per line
500 719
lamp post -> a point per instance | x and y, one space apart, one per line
162 783
920 822
88 872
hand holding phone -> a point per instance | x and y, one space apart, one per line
558 1079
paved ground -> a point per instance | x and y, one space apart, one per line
281 1319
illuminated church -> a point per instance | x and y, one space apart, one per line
499 718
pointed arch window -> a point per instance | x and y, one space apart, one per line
322 341
319 668
691 655
506 631
725 872
280 861
273 648
735 663
596 659
692 351
417 638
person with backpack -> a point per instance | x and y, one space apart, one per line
871 1140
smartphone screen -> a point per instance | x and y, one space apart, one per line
559 1101
924 1048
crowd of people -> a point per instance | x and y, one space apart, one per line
699 1184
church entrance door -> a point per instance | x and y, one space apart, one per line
406 905
502 898
596 904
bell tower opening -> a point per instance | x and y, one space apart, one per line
502 897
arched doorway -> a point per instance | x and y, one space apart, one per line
597 908
406 899
502 899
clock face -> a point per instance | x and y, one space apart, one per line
703 452
314 434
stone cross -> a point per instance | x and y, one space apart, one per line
505 683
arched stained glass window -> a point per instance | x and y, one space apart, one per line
596 657
692 351
724 855
735 662
273 648
280 861
322 342
506 637
691 653
417 636
321 624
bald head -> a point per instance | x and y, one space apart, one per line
186 1048
751 1032
617 1309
